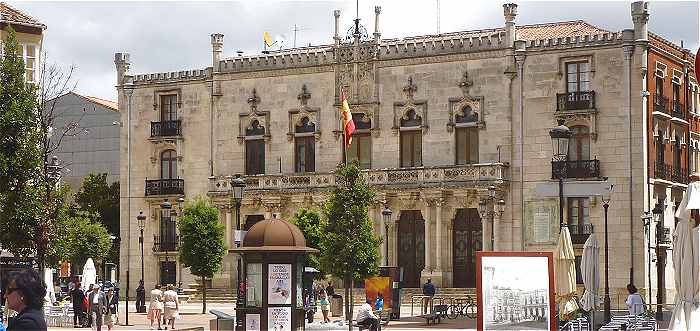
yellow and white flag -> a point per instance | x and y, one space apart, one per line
267 39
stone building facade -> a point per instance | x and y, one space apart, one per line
445 122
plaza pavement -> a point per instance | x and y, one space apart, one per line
192 318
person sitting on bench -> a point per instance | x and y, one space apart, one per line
366 317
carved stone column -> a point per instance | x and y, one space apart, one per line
428 220
227 236
438 234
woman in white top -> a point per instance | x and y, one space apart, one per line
171 305
634 302
155 309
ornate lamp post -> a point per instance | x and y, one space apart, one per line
560 154
660 258
141 218
166 208
238 186
386 218
646 220
492 208
606 298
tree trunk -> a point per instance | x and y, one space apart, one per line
351 303
204 295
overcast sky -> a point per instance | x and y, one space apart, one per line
173 36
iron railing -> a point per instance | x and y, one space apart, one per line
580 232
576 100
168 244
677 110
166 128
661 104
165 186
667 172
576 169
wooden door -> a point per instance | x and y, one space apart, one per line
411 246
168 273
466 241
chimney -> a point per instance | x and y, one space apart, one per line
640 18
122 62
377 11
510 10
217 46
336 13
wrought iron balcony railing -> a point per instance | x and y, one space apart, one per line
165 244
673 174
576 169
166 128
661 104
165 186
575 100
677 110
580 232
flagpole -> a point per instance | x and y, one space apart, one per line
345 155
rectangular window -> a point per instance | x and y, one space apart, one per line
255 157
168 232
411 149
168 107
28 53
304 154
578 213
577 77
676 93
659 86
254 285
361 150
467 145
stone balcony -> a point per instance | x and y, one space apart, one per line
472 175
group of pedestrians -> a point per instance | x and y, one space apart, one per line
94 307
164 307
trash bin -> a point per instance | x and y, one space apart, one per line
336 306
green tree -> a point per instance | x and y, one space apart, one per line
202 238
81 237
349 248
20 155
97 196
313 227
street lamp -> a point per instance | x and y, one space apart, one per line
166 213
660 258
386 217
141 218
646 220
560 153
492 208
606 299
238 186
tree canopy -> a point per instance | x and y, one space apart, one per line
313 227
98 196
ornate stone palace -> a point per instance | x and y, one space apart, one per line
445 123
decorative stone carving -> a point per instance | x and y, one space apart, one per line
254 124
297 116
465 111
410 113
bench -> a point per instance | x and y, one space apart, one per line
384 317
439 312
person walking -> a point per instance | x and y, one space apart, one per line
634 302
112 301
429 293
25 294
325 303
77 297
155 309
97 305
171 307
140 298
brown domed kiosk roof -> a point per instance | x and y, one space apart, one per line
275 235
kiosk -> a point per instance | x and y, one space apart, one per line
273 254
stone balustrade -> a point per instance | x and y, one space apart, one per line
404 177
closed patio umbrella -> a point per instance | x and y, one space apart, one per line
565 275
48 281
685 264
590 272
89 274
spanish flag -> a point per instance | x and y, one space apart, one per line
348 124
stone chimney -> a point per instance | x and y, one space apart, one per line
510 10
217 46
377 11
336 13
122 62
640 18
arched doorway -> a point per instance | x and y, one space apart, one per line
411 246
466 241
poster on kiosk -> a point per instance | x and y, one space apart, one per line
279 282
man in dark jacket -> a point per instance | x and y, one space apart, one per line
140 298
77 296
429 292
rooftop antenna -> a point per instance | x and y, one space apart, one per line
296 28
357 18
438 16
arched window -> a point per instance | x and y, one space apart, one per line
360 149
411 149
168 164
255 149
467 136
304 146
677 155
580 145
467 115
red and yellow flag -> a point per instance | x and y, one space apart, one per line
348 124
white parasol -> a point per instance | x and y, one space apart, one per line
565 275
685 263
89 275
48 281
590 272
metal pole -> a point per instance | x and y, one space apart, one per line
386 245
647 227
493 224
561 202
606 299
659 270
141 242
239 299
127 297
